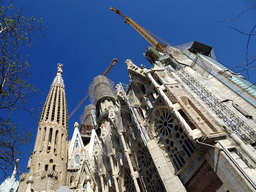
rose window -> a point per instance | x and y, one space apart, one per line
164 122
173 140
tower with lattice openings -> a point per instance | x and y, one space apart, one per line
48 163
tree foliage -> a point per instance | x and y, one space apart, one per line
16 33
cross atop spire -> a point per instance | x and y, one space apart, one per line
58 81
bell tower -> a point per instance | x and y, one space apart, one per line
48 163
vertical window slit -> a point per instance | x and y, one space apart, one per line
58 113
191 144
63 110
176 164
56 136
182 160
61 144
189 147
44 134
50 135
178 160
187 151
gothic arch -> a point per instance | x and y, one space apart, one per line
147 169
127 180
71 180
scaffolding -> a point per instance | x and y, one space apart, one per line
101 88
88 116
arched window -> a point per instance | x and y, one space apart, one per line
53 167
76 144
71 180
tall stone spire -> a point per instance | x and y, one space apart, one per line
55 107
48 163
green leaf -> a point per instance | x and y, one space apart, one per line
10 21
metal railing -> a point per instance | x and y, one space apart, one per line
236 124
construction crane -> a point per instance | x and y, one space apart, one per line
144 33
114 61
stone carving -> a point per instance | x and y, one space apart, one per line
59 68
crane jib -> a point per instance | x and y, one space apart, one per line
143 32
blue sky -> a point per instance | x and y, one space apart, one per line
85 36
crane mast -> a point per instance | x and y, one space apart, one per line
158 46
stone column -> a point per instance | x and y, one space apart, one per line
29 182
61 107
46 105
38 144
46 138
114 174
57 105
62 146
59 143
127 154
43 135
102 183
52 104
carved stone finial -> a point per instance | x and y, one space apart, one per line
59 68
76 125
30 178
128 62
58 81
30 181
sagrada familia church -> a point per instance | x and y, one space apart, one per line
186 124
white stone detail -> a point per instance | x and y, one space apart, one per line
58 80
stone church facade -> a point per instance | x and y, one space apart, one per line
186 124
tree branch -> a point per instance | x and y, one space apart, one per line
241 31
239 14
